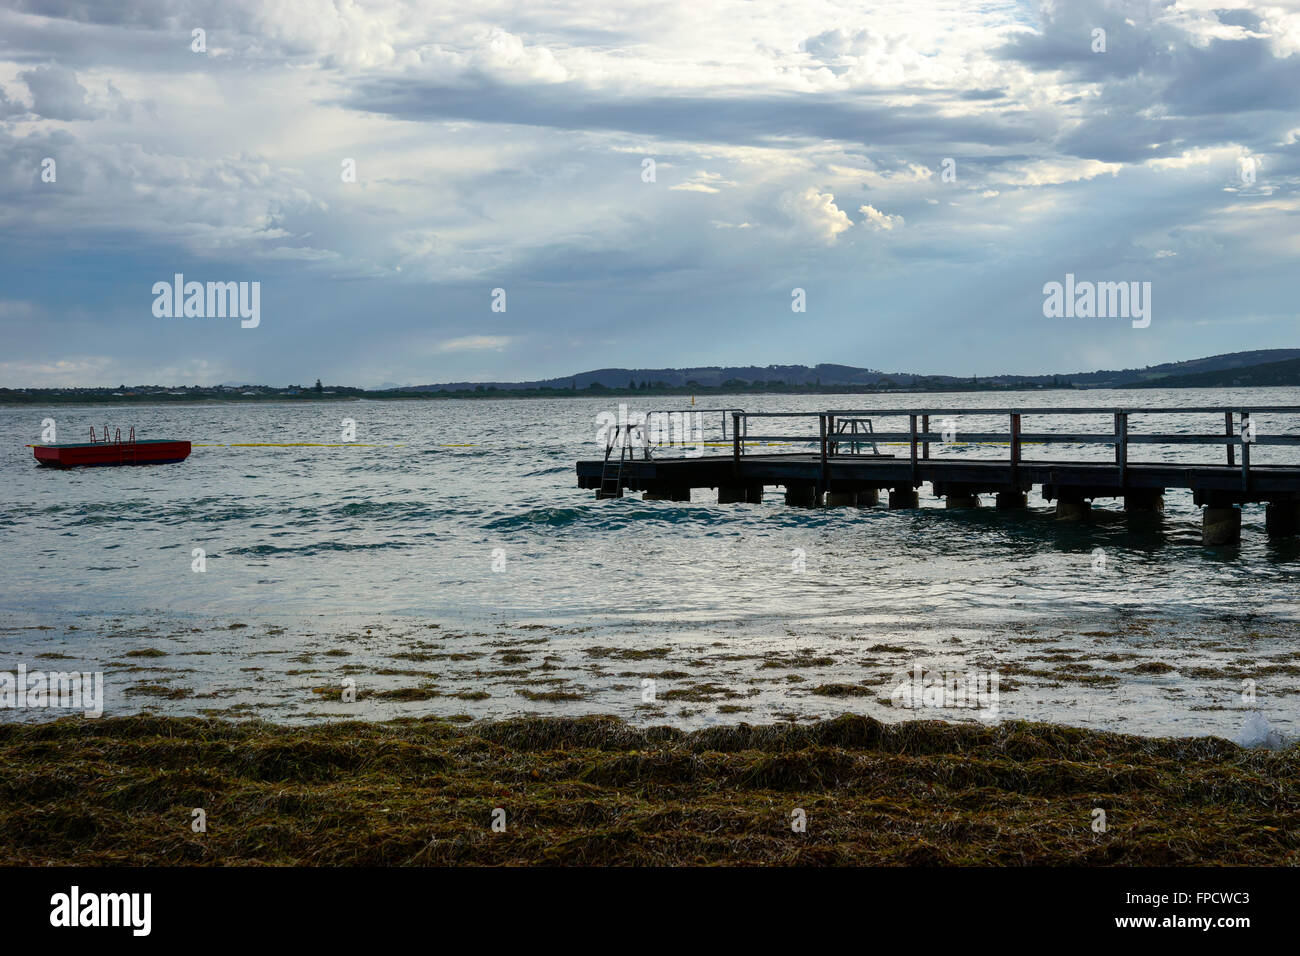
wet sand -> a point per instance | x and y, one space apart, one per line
1135 674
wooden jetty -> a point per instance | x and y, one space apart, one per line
845 466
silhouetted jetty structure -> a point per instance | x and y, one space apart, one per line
845 467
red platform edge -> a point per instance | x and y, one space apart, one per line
114 453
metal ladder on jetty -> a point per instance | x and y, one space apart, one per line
126 450
611 472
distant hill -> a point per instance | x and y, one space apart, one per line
1264 367
1264 374
712 376
802 376
1164 376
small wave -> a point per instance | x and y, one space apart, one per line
545 517
267 550
385 509
599 517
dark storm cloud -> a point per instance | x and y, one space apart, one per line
1161 59
1065 40
1160 92
1141 137
1233 76
56 94
738 120
154 14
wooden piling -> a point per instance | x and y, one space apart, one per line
1282 518
903 496
801 495
1221 526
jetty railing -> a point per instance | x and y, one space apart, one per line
724 415
1239 431
640 432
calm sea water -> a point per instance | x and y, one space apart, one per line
463 518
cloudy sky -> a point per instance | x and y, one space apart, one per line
796 144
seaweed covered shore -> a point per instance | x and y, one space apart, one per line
1151 674
596 791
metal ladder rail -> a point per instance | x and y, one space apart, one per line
611 472
611 480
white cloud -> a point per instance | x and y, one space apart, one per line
878 221
1053 172
815 212
1200 156
703 182
505 54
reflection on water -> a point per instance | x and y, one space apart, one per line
409 532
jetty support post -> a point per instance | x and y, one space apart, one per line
1015 446
824 481
801 494
902 496
1282 518
1072 504
740 494
1144 500
959 497
735 443
1245 450
915 470
1220 524
1072 509
667 494
1121 446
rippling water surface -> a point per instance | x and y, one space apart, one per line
308 548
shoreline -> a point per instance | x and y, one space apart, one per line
500 395
596 791
1140 674
1145 675
682 391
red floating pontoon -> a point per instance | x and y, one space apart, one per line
116 452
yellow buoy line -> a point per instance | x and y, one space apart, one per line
813 441
310 445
